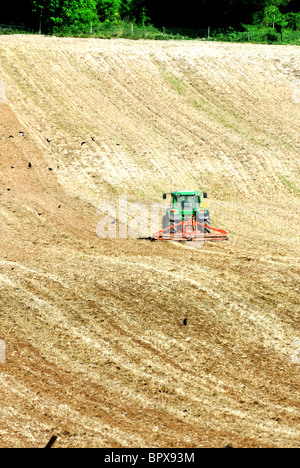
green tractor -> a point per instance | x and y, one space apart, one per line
186 206
188 219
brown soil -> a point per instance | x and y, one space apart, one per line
97 352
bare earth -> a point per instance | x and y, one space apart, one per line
96 350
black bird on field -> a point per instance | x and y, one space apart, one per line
83 143
185 321
48 141
29 165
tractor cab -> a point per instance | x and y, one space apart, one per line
186 201
185 205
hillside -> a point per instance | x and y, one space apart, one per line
96 348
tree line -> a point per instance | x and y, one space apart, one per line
52 15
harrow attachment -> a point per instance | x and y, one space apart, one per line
190 230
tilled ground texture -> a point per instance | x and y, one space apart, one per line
96 349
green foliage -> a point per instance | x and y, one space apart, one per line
64 13
109 11
257 34
270 21
293 20
273 17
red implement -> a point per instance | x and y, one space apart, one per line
190 230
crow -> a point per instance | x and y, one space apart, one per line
83 143
185 321
29 165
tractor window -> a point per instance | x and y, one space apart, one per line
192 200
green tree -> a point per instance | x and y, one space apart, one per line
139 11
108 10
126 11
54 15
273 17
64 13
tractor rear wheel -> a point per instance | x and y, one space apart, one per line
170 223
164 221
207 223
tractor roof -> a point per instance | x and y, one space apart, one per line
185 192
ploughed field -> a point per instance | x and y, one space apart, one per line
96 349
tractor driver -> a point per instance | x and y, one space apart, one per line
187 200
